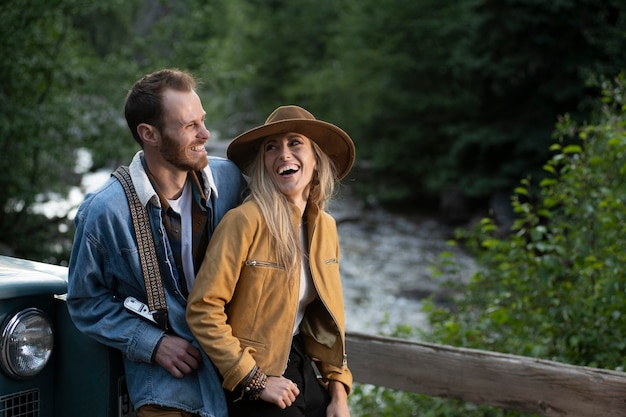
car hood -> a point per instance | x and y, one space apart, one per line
21 278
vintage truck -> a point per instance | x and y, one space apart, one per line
47 367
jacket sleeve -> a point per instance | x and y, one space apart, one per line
332 373
213 289
95 290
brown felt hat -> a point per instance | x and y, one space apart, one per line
332 140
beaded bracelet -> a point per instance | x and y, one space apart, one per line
246 381
253 384
254 389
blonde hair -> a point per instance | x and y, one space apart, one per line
276 209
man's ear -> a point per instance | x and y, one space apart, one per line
148 134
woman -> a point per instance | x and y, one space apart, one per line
267 304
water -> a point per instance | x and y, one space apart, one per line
386 265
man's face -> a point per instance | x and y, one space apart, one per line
183 134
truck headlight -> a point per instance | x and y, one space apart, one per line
26 343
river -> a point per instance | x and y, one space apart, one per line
386 261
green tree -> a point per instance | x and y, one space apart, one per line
67 67
266 48
394 82
35 128
435 94
527 62
454 94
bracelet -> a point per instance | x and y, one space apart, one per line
254 389
253 384
246 381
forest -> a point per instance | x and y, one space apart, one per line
450 104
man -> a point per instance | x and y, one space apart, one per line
185 194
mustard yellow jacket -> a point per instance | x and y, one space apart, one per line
242 307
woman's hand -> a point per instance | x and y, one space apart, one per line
280 391
338 406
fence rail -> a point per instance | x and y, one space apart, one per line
506 381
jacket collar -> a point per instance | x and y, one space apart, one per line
146 192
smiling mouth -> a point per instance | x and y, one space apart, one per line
289 169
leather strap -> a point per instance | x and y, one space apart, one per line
147 252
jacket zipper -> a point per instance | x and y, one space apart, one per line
265 264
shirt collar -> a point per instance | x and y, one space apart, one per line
146 192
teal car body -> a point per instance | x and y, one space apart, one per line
47 367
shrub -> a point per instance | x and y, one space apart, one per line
554 286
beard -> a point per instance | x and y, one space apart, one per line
177 155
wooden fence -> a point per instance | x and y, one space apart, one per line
506 381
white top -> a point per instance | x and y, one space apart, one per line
307 288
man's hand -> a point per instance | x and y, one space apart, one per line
177 356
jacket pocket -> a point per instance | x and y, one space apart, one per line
251 343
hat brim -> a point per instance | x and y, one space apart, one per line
331 139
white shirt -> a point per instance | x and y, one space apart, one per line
307 288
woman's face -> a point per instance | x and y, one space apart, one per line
290 163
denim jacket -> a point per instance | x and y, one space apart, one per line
105 269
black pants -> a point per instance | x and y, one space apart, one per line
312 401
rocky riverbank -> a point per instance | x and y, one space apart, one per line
386 261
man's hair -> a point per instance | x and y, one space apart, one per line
144 101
